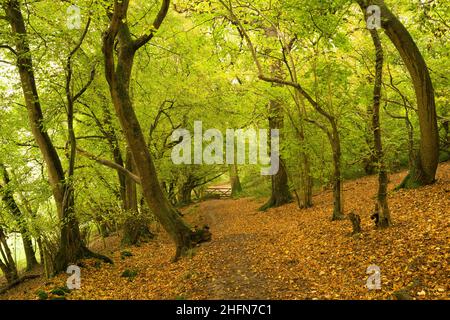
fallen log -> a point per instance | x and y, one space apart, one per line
18 281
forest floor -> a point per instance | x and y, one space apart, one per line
285 253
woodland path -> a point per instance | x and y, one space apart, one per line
285 253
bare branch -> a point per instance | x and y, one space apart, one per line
109 164
86 86
142 40
5 46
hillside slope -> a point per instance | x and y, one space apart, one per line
287 253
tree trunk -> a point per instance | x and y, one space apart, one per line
424 171
118 76
304 196
8 198
335 142
306 182
185 194
71 248
114 146
338 207
7 263
235 182
131 201
384 214
280 188
369 161
410 130
136 226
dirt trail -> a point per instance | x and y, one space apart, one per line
236 277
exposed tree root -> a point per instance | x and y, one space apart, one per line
196 237
275 202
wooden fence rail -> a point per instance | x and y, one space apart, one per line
223 192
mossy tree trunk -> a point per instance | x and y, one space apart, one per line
118 75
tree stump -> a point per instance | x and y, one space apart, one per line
356 223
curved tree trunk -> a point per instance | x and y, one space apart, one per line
71 248
118 75
424 170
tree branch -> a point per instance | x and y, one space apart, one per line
109 164
5 46
142 40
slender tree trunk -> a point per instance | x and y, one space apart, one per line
410 130
304 196
131 201
118 75
106 127
335 142
185 194
369 161
114 145
7 263
8 198
306 183
424 171
169 188
382 204
338 207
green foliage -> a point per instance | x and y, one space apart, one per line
58 291
42 295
